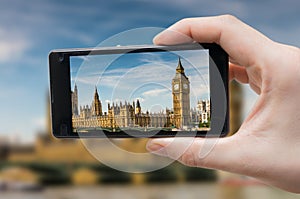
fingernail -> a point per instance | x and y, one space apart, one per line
154 147
159 38
156 39
157 146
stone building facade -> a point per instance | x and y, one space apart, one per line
127 115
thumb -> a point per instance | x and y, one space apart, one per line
215 153
170 147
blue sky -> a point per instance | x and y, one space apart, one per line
30 29
144 76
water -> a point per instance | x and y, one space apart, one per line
156 191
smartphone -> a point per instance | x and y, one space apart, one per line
139 91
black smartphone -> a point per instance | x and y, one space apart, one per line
139 91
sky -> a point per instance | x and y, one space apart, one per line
29 30
144 76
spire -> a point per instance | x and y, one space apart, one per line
179 68
96 105
138 104
138 107
96 96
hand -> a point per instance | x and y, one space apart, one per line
267 145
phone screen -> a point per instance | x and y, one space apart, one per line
144 92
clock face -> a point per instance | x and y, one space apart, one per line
185 86
176 86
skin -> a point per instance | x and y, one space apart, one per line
267 145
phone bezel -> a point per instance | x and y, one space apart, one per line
60 89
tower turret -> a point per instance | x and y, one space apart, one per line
74 97
181 97
138 107
179 68
96 106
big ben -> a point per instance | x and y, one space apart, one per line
181 97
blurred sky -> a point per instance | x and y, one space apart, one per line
30 29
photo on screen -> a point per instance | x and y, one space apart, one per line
145 91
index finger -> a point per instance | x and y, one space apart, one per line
244 44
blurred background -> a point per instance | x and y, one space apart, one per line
35 165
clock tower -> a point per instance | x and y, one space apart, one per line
181 97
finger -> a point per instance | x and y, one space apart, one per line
168 146
238 73
244 44
208 153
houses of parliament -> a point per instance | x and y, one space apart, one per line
180 117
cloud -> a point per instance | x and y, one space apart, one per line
39 123
155 92
13 45
126 78
79 35
92 80
151 80
152 69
